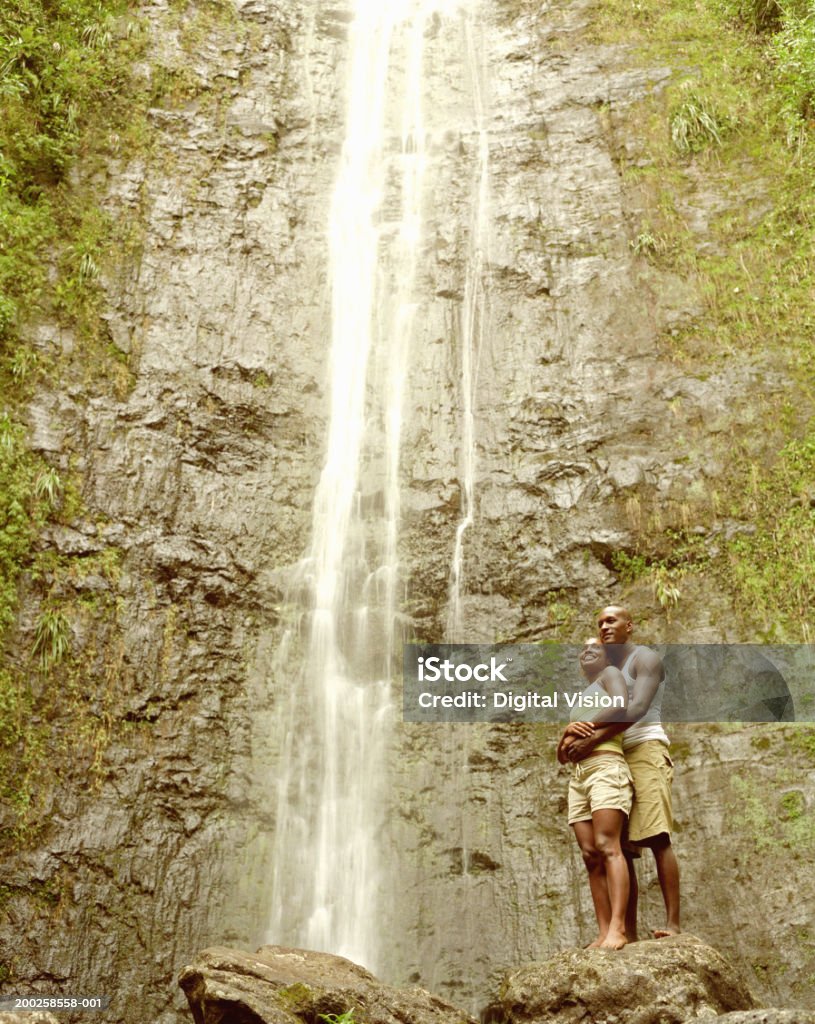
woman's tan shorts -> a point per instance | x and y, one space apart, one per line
601 782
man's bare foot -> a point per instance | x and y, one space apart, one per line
614 940
667 931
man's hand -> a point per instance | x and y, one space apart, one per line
581 746
573 732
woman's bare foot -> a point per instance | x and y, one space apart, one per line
596 944
614 940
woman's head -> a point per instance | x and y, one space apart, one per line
593 658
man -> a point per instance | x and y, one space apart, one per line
646 750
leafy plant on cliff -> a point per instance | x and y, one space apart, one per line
51 638
339 1018
27 495
695 123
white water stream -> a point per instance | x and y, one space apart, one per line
473 322
337 660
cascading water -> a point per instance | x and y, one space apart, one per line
473 320
335 663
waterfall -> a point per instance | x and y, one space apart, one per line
331 674
471 334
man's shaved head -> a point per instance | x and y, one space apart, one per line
621 611
615 625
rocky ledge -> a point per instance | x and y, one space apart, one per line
673 981
670 981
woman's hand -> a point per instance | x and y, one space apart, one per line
580 729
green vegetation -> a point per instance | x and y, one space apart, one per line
737 119
72 109
801 739
65 98
787 825
774 568
339 1018
29 491
695 123
64 69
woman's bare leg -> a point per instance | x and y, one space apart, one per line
596 867
608 826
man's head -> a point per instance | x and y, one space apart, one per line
593 659
614 625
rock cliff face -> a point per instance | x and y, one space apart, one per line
201 477
577 437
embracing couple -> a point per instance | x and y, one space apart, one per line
622 775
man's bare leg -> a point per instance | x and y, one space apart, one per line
608 825
668 874
595 865
633 896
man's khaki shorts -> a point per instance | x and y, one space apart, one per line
652 771
600 782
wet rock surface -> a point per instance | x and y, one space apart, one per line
277 985
669 981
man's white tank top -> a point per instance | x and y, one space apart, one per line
649 727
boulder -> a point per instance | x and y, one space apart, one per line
669 981
27 1017
277 985
769 1016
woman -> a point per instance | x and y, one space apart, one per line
600 797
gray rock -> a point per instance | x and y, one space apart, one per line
768 1016
278 985
669 981
29 1017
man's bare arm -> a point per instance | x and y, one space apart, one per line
646 683
650 674
613 682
